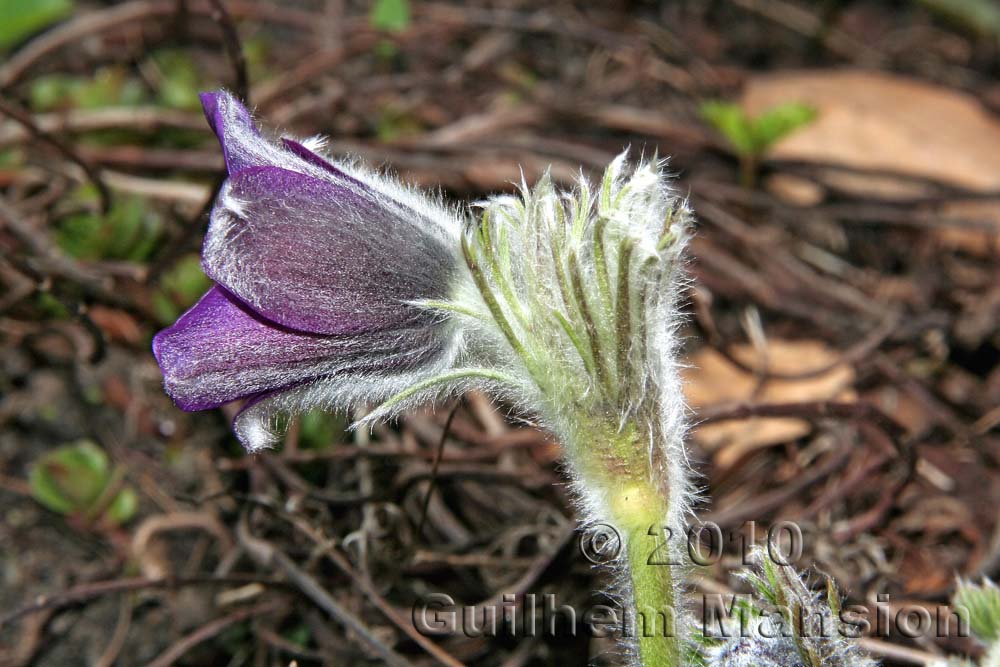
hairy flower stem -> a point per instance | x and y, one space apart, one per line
640 519
652 594
615 468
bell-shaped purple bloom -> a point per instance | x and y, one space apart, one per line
320 272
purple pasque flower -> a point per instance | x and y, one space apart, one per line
321 268
338 287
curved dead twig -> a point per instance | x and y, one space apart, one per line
435 466
209 630
852 355
179 521
24 118
268 555
85 592
115 17
234 49
117 640
859 410
376 598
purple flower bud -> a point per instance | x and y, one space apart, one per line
320 268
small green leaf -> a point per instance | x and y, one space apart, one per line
11 157
71 478
23 18
778 122
73 481
731 122
981 17
49 92
123 507
113 86
390 15
753 137
180 83
299 635
130 231
108 86
50 306
393 124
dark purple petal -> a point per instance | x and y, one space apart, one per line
242 144
220 351
318 161
222 108
324 257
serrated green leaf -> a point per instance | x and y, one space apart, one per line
23 18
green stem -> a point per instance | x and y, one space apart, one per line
748 171
638 507
650 564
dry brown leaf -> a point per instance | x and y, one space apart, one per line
902 407
981 237
713 380
874 120
794 190
116 324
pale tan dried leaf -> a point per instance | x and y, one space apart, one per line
713 380
874 120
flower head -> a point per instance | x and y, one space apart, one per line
337 286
